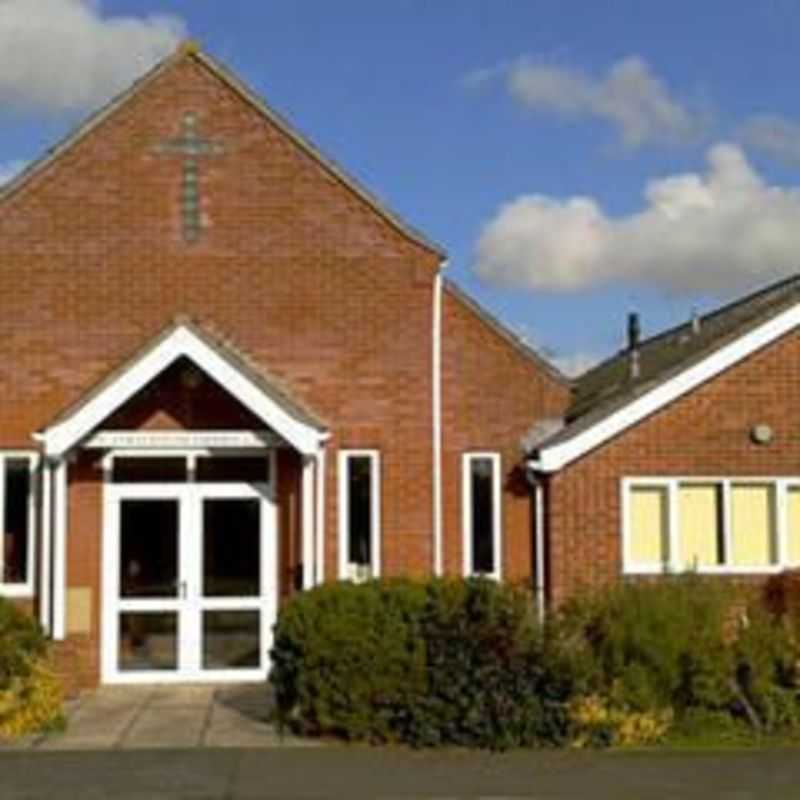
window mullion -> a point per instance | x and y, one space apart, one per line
781 522
727 532
673 557
2 519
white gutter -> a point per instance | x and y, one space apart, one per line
541 575
438 559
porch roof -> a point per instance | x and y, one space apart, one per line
240 375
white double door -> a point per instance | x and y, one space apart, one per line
190 582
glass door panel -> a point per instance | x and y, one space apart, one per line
231 639
148 616
148 640
231 548
149 548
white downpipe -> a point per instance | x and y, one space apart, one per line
438 556
307 491
320 526
538 493
46 538
60 550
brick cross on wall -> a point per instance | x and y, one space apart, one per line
192 147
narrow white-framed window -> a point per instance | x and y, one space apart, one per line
18 521
359 514
481 515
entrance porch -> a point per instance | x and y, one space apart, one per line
179 504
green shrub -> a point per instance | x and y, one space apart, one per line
21 642
348 660
444 662
652 646
30 693
464 662
484 667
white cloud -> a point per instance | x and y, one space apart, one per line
714 232
58 55
10 169
774 135
630 97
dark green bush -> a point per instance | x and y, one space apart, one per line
657 645
21 642
30 692
445 662
463 662
484 667
349 660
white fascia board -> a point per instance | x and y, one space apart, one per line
182 343
551 459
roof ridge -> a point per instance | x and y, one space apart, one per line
505 332
714 313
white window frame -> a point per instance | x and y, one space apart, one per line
376 537
25 589
466 512
671 484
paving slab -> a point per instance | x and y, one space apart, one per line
167 716
92 727
174 726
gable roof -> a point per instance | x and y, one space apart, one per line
192 50
504 332
607 400
250 384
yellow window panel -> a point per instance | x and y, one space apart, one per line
752 525
649 530
699 528
793 525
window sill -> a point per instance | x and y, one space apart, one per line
666 571
490 576
16 590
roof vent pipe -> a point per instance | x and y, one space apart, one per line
634 336
695 322
634 331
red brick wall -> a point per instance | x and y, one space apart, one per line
300 273
78 658
492 394
294 267
704 433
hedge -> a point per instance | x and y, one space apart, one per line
464 662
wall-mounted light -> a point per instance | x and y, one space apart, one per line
761 434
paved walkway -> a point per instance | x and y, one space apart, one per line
125 718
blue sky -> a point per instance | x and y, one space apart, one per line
522 135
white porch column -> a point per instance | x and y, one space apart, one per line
60 511
320 560
46 539
307 519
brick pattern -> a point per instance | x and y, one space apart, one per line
492 393
704 433
301 273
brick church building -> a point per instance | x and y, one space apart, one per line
229 374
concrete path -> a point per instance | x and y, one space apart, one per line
125 718
348 773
